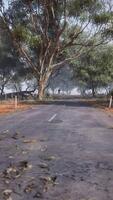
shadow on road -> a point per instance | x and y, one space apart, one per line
73 103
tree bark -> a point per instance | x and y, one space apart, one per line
92 88
42 84
41 90
2 90
93 91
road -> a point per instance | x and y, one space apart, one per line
60 151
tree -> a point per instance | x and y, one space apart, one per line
61 80
43 31
23 80
7 61
12 69
95 69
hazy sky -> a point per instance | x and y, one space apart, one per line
6 3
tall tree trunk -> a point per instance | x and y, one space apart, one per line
41 90
42 85
93 91
2 90
92 88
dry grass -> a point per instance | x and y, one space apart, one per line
9 106
102 104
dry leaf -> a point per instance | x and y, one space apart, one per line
7 192
30 141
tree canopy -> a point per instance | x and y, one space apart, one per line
42 32
95 69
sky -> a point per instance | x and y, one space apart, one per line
6 3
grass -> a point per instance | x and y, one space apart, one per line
101 103
9 106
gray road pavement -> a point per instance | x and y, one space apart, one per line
61 151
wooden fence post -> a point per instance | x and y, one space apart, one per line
16 102
5 97
110 102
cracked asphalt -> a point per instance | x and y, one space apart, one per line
59 151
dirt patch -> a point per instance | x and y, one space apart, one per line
8 106
102 104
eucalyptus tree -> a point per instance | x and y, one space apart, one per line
23 79
95 69
8 61
43 31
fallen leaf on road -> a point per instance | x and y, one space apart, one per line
11 157
44 148
15 171
24 152
25 165
6 182
49 179
6 131
11 172
50 158
43 165
48 182
29 188
7 194
30 141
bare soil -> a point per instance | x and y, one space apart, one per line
9 107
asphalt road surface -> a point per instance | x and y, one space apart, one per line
60 151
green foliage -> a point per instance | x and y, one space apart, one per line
108 33
94 69
103 18
21 33
48 31
34 41
8 60
77 7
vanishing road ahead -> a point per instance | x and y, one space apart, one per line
60 151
